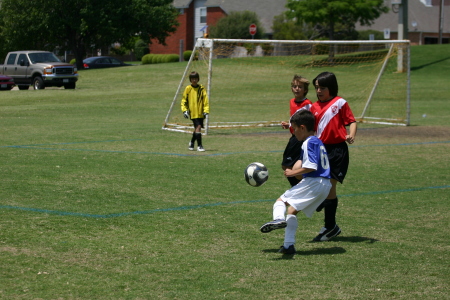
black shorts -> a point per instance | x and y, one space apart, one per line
197 122
339 160
292 152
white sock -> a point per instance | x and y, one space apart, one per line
291 229
279 210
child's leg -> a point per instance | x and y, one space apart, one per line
194 134
194 138
330 213
279 210
198 134
291 228
330 207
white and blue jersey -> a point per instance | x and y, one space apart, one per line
314 156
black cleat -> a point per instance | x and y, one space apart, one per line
276 224
327 234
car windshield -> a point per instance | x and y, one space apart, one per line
43 57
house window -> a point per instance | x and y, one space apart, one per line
435 40
427 2
203 15
181 11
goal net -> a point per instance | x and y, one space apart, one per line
248 81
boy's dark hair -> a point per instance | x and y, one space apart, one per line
328 80
194 75
304 117
302 80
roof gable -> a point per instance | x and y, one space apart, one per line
182 3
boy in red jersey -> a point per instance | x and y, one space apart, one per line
332 114
299 87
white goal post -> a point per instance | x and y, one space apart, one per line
248 81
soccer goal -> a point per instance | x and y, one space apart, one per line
248 81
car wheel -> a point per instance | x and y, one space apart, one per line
38 83
70 86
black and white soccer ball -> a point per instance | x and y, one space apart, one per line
256 174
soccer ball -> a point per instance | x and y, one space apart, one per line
256 174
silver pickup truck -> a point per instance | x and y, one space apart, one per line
39 69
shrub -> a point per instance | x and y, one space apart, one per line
147 59
159 58
155 59
141 49
173 58
187 55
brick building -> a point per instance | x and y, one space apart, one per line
196 15
423 22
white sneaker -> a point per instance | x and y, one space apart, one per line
191 146
200 148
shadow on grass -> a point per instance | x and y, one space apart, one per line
325 251
414 68
352 239
316 251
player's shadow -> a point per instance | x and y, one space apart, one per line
325 251
315 251
351 239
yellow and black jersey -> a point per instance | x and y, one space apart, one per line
195 100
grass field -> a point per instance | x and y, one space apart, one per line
97 202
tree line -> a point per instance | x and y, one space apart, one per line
80 25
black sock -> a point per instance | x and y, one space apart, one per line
199 138
194 137
330 212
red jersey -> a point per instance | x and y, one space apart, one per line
296 106
331 118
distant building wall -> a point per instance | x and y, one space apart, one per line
185 31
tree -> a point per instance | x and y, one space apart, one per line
236 26
328 15
288 29
84 24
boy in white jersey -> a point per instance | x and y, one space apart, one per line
310 192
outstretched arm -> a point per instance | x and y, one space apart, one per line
351 136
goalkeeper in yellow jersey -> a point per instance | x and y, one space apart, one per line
195 106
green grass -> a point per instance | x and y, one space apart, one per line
97 202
